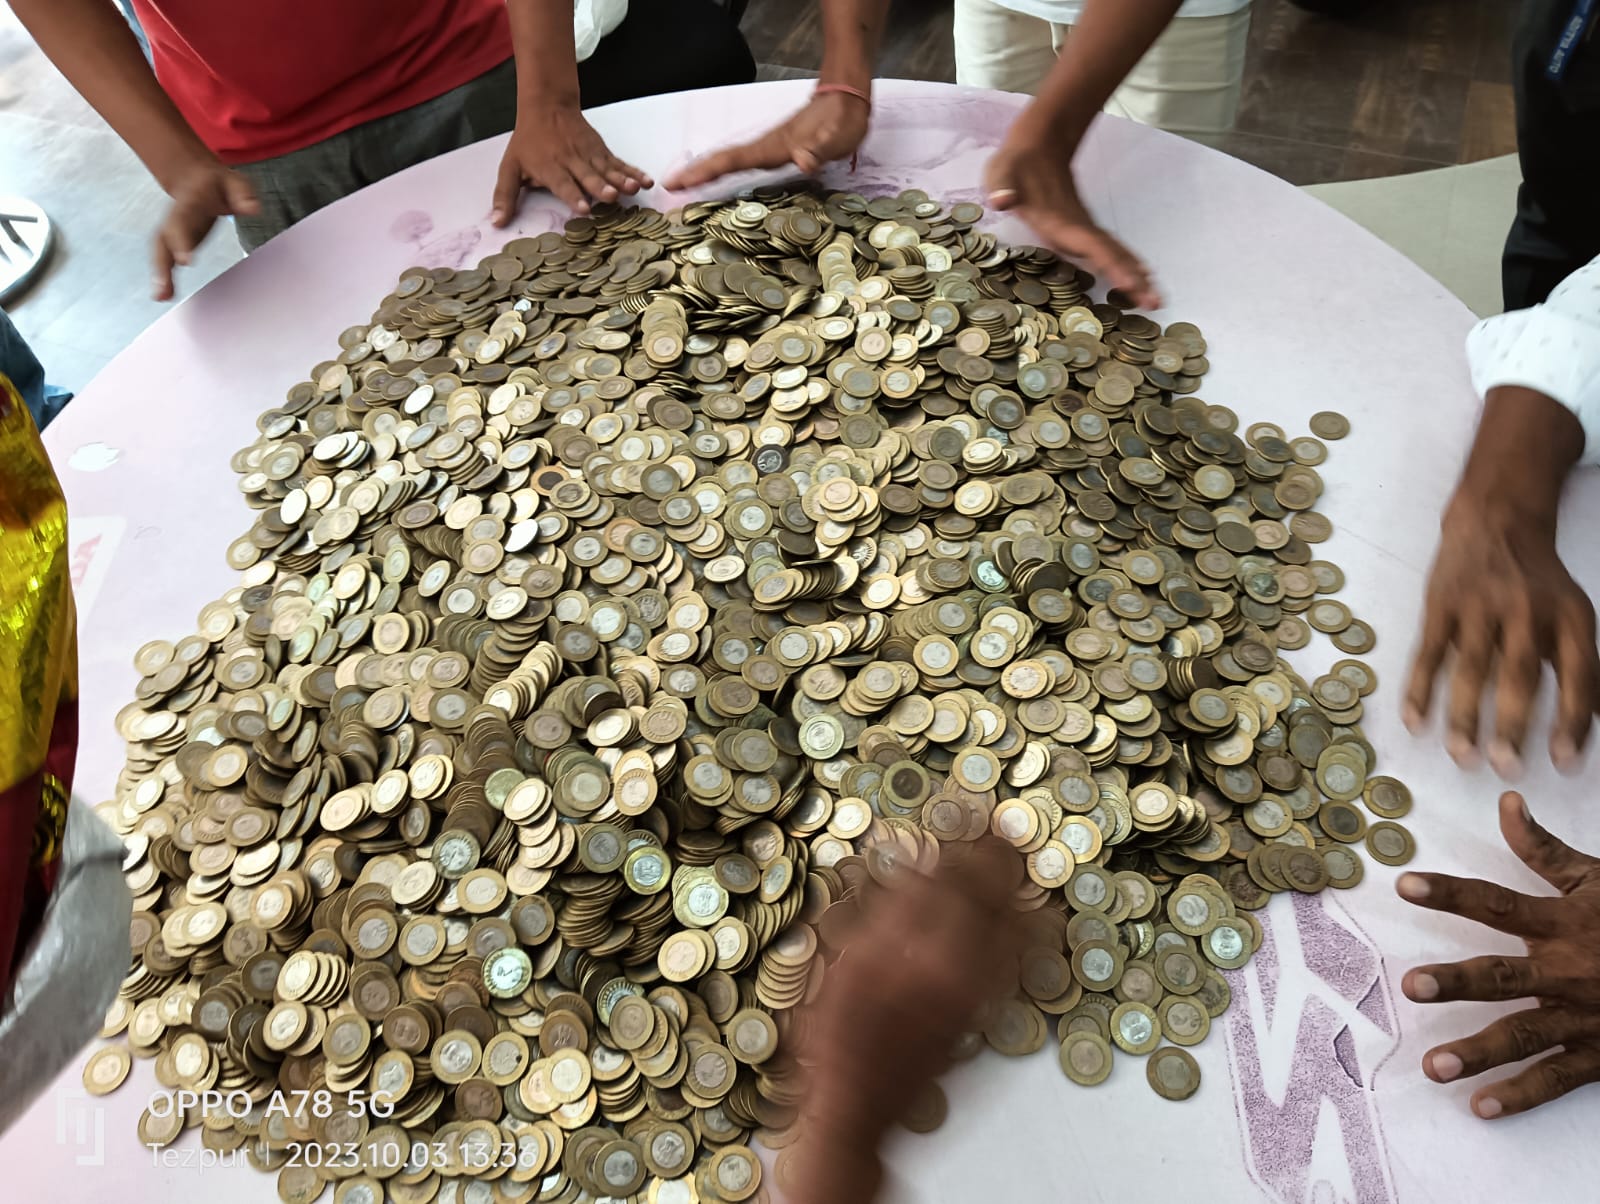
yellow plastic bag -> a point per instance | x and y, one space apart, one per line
38 678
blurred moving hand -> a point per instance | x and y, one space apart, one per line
1561 972
927 954
831 127
202 191
1499 596
1033 178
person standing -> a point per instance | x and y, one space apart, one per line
268 112
1500 602
1188 82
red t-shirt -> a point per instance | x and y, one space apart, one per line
258 78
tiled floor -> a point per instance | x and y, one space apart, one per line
1451 221
1391 86
93 297
1404 86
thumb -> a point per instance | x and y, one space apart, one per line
767 151
507 190
161 269
1000 182
240 195
1558 863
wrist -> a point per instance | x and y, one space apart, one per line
1526 445
539 98
849 70
173 159
1055 123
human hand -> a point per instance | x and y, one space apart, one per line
1498 591
201 192
831 126
555 147
1561 971
1031 175
927 953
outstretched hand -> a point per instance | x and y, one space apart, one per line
1502 601
830 127
1035 181
556 148
1561 972
201 193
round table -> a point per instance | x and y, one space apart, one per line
1312 1089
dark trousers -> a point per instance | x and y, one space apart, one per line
661 46
1557 228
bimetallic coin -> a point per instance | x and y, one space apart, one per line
1387 797
1135 1028
1085 1058
1390 843
1184 1021
1329 424
1173 1073
1227 945
507 973
106 1070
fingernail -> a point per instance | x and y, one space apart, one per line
1424 987
1462 751
1446 1066
1413 886
1001 194
1488 1107
499 215
1506 760
1564 753
1412 718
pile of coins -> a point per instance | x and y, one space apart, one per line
620 609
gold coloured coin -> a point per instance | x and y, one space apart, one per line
1387 797
1345 868
1173 1073
106 1070
1135 1027
1184 1021
1085 1058
1329 424
1390 843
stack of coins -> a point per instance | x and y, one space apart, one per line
618 610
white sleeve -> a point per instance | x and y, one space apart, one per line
1553 348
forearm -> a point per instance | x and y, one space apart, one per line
546 56
1107 42
1526 446
852 30
91 44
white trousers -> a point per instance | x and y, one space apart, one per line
1187 83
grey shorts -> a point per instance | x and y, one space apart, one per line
299 183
